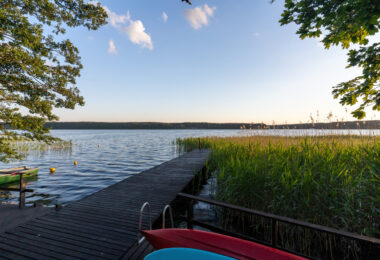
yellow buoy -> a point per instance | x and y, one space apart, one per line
52 170
75 162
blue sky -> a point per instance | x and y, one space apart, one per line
214 61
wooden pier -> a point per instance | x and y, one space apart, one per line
103 225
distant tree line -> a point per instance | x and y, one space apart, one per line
146 125
371 124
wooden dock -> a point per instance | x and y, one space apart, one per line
103 225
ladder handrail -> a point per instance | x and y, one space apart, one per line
140 238
167 207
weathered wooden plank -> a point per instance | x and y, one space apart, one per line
133 206
18 252
133 251
117 224
5 254
84 235
127 255
147 251
94 220
124 203
68 238
34 245
108 214
122 224
84 227
138 253
64 248
141 251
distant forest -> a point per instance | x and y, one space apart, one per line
372 124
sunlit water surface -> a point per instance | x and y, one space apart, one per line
107 156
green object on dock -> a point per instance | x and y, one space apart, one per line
13 174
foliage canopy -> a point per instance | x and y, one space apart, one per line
37 71
344 23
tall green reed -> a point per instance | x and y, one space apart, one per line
327 180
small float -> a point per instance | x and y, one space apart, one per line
13 174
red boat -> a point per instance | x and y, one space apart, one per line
213 242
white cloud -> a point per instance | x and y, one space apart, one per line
111 47
257 34
116 19
136 33
164 16
199 16
135 30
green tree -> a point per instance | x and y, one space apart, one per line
37 71
344 22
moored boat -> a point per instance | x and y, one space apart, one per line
184 254
13 174
213 242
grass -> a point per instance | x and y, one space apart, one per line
328 180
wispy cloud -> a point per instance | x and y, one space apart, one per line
134 29
116 19
111 47
164 16
199 16
257 34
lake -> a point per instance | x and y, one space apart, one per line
107 156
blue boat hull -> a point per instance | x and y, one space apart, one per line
176 253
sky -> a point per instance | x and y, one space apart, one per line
212 61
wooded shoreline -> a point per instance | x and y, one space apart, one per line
370 124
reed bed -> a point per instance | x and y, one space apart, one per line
328 180
26 146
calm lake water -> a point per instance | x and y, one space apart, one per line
108 156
